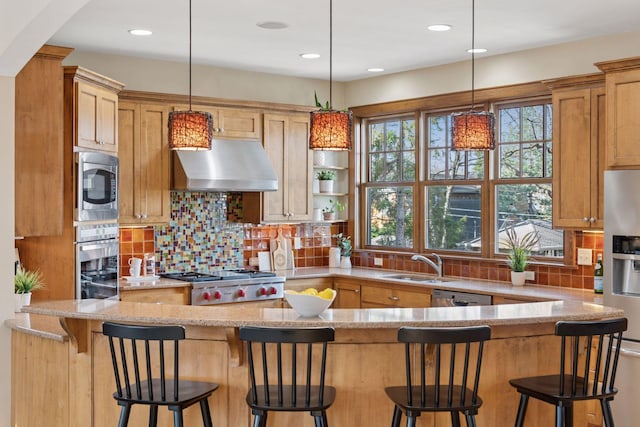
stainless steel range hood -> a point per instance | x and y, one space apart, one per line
229 166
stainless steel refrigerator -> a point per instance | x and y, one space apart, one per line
622 283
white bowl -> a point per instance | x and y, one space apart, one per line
308 305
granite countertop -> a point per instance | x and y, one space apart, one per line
526 292
375 318
155 283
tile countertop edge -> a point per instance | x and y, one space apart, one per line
503 289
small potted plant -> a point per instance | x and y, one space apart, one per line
344 243
24 282
325 180
329 212
519 248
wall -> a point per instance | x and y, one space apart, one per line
7 91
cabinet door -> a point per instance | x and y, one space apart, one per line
286 143
348 294
144 164
578 117
177 296
238 124
392 296
96 117
623 125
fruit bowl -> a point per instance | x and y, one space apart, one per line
309 305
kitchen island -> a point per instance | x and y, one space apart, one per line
363 360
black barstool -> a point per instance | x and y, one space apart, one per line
434 389
150 384
570 385
287 370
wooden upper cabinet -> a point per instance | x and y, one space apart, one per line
39 144
579 106
623 112
143 152
231 123
95 108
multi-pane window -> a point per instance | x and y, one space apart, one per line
456 190
523 194
391 171
453 191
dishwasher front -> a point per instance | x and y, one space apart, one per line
444 298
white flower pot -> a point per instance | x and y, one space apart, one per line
517 278
328 216
21 300
325 185
345 262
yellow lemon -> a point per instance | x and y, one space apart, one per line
326 294
310 291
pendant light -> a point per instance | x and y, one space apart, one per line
330 129
190 130
473 130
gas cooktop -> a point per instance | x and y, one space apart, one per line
196 277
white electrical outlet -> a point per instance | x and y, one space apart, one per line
529 275
377 261
585 256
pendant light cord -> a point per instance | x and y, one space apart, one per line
330 54
189 55
473 53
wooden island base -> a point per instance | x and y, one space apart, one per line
74 382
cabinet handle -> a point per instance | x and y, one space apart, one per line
355 291
592 220
585 219
394 298
144 216
138 216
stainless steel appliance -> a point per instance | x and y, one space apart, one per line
622 283
97 186
231 286
97 249
444 298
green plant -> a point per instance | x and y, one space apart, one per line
344 243
333 206
326 107
519 248
326 175
26 281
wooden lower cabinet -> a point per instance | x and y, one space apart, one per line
179 295
505 300
348 293
76 386
386 296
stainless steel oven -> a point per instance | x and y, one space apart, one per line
97 249
97 186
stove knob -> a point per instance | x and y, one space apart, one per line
263 291
217 295
241 293
272 291
206 296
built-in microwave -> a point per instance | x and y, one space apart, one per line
97 186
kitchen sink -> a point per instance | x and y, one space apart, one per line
413 278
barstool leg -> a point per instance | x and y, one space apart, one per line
606 413
568 416
153 415
455 419
124 415
522 409
206 413
411 420
397 417
471 420
177 418
560 412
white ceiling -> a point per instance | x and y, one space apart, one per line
366 33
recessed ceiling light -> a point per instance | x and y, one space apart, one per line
375 70
272 25
140 32
439 27
310 55
477 50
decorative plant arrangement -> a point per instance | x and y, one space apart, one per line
344 243
519 248
326 175
24 282
329 212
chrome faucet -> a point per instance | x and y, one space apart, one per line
437 267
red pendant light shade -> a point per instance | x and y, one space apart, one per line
190 130
330 130
473 130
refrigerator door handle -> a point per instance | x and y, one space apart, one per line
630 353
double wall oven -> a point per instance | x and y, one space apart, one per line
233 287
96 228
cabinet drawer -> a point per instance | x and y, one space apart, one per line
392 297
178 296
